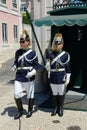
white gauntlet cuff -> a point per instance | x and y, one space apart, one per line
30 74
47 66
67 79
13 67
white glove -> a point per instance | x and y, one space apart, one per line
47 66
30 74
66 83
13 68
67 79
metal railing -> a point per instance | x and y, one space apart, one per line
57 5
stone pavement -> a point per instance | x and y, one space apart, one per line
41 118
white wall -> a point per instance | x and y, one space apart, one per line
39 10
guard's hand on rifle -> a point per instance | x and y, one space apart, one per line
30 74
66 83
67 79
13 67
47 66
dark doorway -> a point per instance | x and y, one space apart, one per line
75 41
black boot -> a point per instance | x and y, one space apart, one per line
20 108
30 107
60 112
55 105
61 101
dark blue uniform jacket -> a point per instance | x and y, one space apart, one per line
63 62
28 60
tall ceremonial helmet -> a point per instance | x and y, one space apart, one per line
58 39
24 36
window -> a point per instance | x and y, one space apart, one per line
14 3
4 33
3 1
15 29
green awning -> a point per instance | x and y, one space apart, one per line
69 20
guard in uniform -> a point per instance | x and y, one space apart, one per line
58 67
26 65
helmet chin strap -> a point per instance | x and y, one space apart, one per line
25 48
58 50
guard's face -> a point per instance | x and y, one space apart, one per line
24 44
58 47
